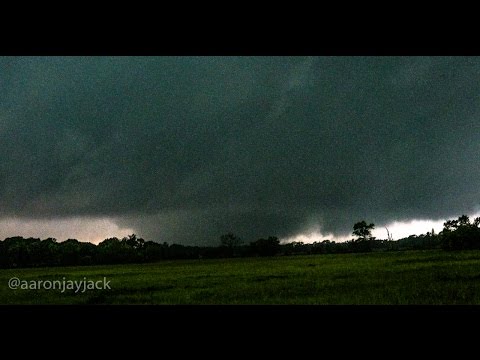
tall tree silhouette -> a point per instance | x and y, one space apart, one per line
229 242
363 231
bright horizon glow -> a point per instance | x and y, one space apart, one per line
93 230
398 230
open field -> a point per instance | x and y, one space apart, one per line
409 277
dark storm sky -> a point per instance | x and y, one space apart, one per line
185 149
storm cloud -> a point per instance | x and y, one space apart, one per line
184 149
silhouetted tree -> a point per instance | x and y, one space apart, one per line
229 242
460 234
363 231
476 222
364 241
133 241
266 247
450 225
463 220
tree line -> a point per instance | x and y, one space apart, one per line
460 234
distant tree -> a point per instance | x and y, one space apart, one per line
460 234
463 220
229 244
112 250
364 241
450 225
230 240
265 247
476 222
69 252
134 241
154 251
363 231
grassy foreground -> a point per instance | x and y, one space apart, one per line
413 277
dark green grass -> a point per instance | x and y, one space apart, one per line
413 277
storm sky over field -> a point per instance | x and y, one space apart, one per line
184 149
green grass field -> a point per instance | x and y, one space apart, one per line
413 277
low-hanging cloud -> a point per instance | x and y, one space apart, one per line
185 149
